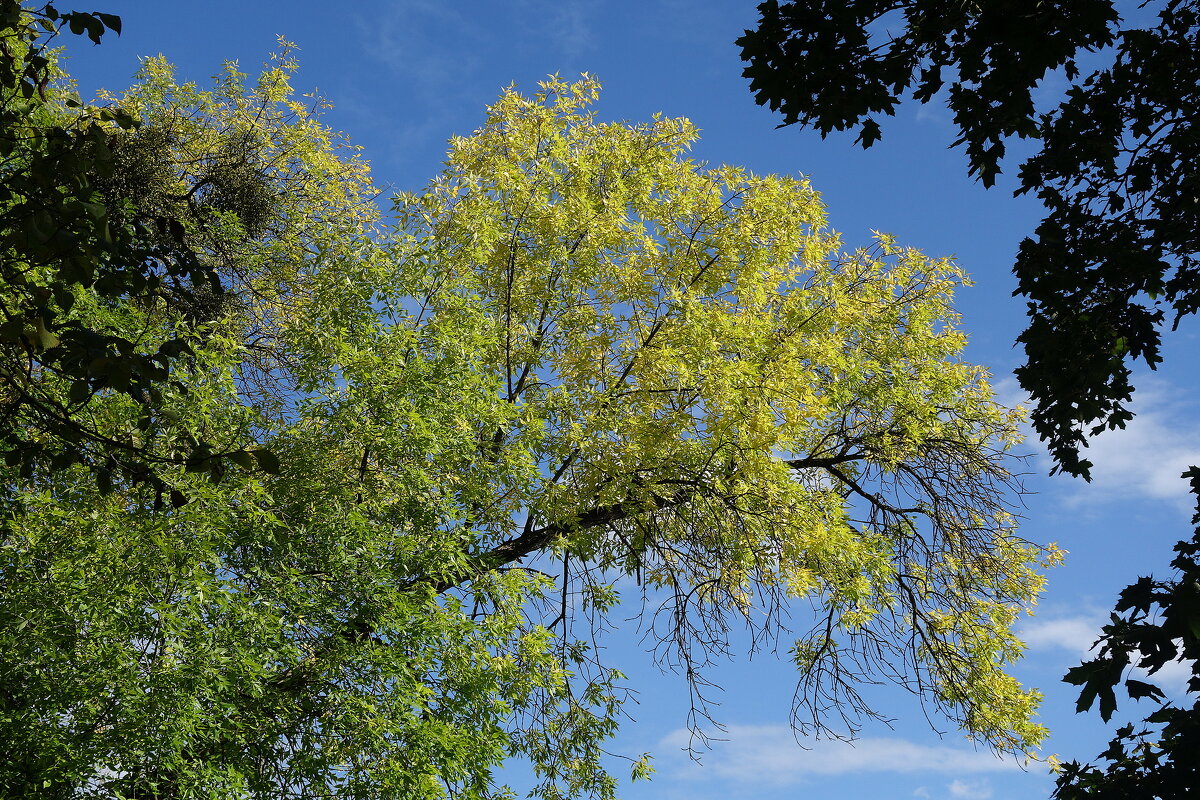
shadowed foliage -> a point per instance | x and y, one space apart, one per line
91 221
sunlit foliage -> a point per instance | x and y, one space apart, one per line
578 366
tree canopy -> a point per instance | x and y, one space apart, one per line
577 365
92 211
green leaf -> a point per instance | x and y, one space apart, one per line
267 461
65 298
111 21
1139 689
43 338
80 391
243 459
869 133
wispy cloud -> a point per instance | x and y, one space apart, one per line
1073 634
437 57
564 25
932 112
769 754
1173 678
436 44
410 40
1146 458
972 790
430 55
1142 461
1009 393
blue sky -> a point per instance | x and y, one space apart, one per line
404 76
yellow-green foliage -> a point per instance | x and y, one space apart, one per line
773 415
578 357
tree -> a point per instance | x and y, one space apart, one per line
92 212
1155 623
578 364
1116 252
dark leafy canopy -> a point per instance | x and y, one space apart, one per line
823 63
79 225
1115 257
1155 623
1117 169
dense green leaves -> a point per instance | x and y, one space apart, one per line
404 469
81 238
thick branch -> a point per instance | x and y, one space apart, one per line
826 462
529 542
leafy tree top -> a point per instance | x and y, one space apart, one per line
579 363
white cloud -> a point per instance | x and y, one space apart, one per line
1141 461
770 754
1075 634
975 790
921 791
932 112
1173 678
1144 460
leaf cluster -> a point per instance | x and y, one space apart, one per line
834 65
1155 623
82 236
1114 261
